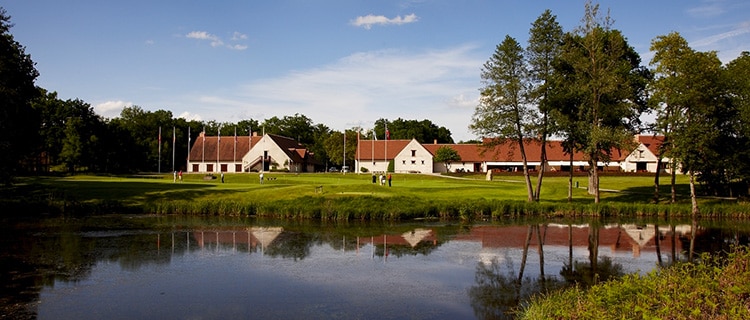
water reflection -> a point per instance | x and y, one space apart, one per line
420 270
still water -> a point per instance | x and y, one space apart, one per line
156 267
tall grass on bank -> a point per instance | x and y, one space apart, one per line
406 208
716 288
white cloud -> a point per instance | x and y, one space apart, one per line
738 30
216 41
189 116
237 46
111 109
369 20
203 35
238 36
439 85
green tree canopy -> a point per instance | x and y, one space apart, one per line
19 122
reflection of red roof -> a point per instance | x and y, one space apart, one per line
617 238
238 237
395 239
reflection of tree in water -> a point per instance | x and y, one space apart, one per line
499 293
584 274
292 245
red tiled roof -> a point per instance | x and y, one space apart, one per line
652 142
367 147
227 148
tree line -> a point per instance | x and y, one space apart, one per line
589 87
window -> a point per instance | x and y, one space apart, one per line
237 168
223 168
403 161
422 162
414 153
413 162
196 168
209 168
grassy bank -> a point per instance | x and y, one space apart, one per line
350 196
717 288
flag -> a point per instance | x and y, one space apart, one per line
387 133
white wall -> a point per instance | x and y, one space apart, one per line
413 158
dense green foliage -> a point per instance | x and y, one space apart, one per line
18 120
716 288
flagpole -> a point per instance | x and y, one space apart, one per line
187 165
343 160
159 165
174 139
203 155
385 156
218 147
235 145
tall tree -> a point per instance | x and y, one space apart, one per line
503 113
606 75
739 88
545 40
19 122
670 53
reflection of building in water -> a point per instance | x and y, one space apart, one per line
409 238
619 238
250 238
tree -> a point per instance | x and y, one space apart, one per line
423 131
446 155
19 122
334 146
503 113
605 78
545 40
669 54
739 90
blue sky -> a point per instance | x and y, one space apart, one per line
341 63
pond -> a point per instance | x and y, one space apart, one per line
156 267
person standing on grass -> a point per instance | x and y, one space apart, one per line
261 177
174 179
389 179
222 177
180 175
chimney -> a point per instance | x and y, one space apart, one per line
434 141
255 133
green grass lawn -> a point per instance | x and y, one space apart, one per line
426 190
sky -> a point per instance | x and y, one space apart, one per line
341 63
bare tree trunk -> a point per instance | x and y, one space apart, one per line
570 179
525 254
693 199
594 251
541 251
658 245
693 228
656 179
674 181
542 168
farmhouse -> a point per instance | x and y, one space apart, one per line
410 156
248 153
